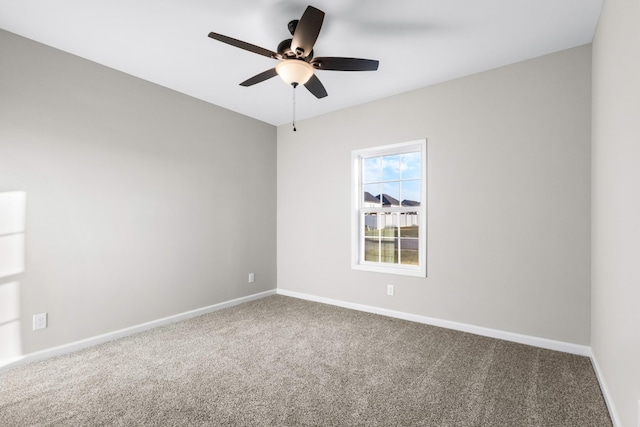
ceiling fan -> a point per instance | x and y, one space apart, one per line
297 63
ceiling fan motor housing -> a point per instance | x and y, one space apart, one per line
292 25
284 50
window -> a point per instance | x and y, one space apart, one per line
389 209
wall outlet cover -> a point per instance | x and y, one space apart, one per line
39 321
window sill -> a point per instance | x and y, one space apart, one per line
400 271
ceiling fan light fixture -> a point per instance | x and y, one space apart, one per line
294 71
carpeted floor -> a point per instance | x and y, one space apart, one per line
283 361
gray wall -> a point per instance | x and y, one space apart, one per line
508 199
615 338
140 202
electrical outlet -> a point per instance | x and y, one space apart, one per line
390 290
39 321
252 277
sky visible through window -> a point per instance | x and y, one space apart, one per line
396 175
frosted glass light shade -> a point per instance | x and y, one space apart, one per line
294 71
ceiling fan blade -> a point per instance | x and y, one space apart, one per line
244 45
307 31
315 87
344 64
265 75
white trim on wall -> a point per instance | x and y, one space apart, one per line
110 336
359 208
605 393
580 350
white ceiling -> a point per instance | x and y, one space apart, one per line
418 42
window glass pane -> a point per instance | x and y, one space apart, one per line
370 195
371 227
371 250
389 250
391 193
409 225
410 165
409 242
388 224
390 168
409 251
410 193
371 170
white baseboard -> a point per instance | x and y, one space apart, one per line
581 350
110 336
605 392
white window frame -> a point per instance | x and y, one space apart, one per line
358 210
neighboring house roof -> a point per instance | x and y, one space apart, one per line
370 198
387 200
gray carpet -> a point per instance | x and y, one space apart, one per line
283 361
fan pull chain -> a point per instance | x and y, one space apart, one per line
294 85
